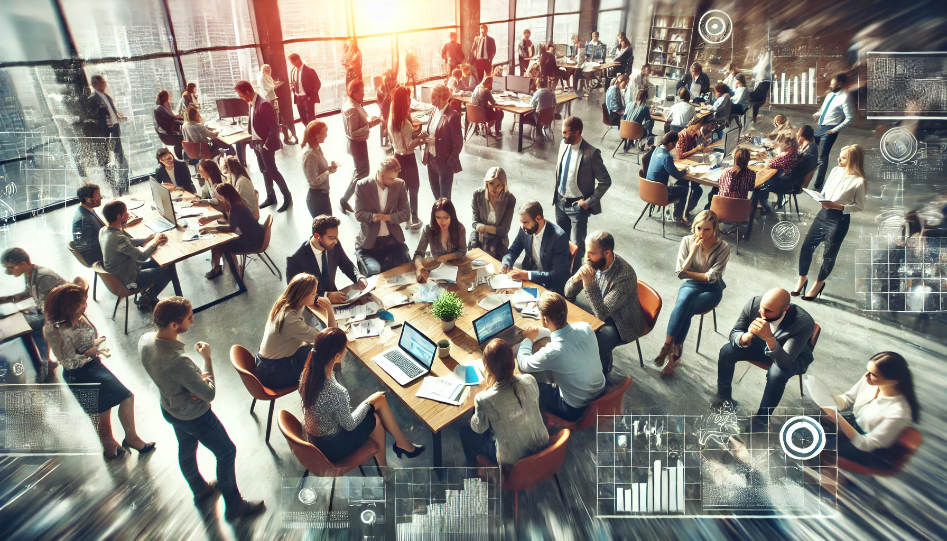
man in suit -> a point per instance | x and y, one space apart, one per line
482 51
581 181
105 128
305 84
453 53
86 224
381 205
547 250
445 140
322 256
772 331
264 130
179 176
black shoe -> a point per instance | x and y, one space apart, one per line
215 272
801 290
245 509
147 448
418 449
211 490
346 207
286 204
145 303
814 294
269 201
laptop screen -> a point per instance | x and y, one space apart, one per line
419 346
493 322
162 199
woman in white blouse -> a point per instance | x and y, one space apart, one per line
844 192
317 169
267 86
883 404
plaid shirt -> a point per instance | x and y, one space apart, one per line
685 142
737 185
784 162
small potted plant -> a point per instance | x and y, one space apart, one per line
443 348
447 308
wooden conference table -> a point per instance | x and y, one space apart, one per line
562 97
464 348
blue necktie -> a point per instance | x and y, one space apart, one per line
564 177
826 110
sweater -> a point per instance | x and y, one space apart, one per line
176 376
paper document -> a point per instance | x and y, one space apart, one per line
366 328
524 296
531 310
815 195
699 169
468 374
818 392
354 293
445 272
427 292
394 299
355 312
713 174
8 309
493 300
502 281
402 279
445 390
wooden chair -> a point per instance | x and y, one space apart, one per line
261 251
700 328
243 361
733 211
95 277
477 116
117 288
901 452
547 117
534 469
633 131
650 303
812 342
654 194
607 120
607 404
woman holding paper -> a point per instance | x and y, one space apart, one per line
333 426
444 234
843 193
287 336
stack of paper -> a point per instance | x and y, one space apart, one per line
445 390
818 392
394 299
354 312
445 273
427 292
531 310
354 294
8 309
468 374
493 300
502 281
524 296
402 279
366 328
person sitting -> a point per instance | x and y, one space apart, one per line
123 258
483 97
549 68
701 262
188 99
569 359
240 221
639 111
469 77
194 131
506 425
739 180
456 82
781 125
681 113
721 106
210 176
769 330
173 173
168 124
236 175
287 337
323 256
688 142
784 163
694 77
381 206
543 99
624 55
77 346
808 153
733 72
445 236
613 99
741 97
330 422
637 83
86 224
546 247
661 168
883 403
493 209
213 176
611 286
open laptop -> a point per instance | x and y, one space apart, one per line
493 323
411 359
165 219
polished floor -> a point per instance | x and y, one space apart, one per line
147 498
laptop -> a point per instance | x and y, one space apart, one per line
162 198
494 322
411 359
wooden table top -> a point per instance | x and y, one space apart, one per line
176 249
239 137
464 348
13 326
762 174
561 97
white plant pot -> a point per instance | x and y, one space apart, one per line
448 326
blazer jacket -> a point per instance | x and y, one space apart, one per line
264 123
554 253
85 233
166 122
310 82
98 115
616 299
592 176
475 48
505 209
793 352
182 174
304 260
448 140
367 205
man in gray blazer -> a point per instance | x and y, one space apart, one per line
445 140
581 181
546 261
381 205
772 331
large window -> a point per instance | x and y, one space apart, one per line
494 10
118 28
309 19
529 8
427 48
609 24
216 73
210 23
564 27
30 32
324 57
537 30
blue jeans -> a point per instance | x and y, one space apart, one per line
154 276
693 298
776 377
385 255
550 399
824 140
207 430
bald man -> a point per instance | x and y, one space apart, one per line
772 331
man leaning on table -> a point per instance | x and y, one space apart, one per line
547 250
323 256
133 266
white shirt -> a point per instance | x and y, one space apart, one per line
113 116
537 249
318 253
432 127
299 81
882 418
572 183
836 110
846 190
681 113
740 95
773 325
382 204
253 134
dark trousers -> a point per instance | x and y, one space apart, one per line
877 459
579 218
831 226
495 117
386 254
318 203
208 431
412 179
359 152
824 140
266 159
441 176
477 444
154 277
551 400
523 65
758 97
37 321
679 190
285 372
307 109
104 147
776 377
780 184
608 339
483 67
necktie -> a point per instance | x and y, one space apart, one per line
483 47
324 272
564 175
826 110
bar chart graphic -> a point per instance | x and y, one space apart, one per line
446 504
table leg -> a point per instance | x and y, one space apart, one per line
749 227
520 147
436 450
176 282
241 287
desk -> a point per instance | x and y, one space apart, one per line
14 326
464 348
565 97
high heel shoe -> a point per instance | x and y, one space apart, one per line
802 289
145 449
418 449
662 355
119 453
815 294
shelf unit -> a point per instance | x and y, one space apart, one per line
667 22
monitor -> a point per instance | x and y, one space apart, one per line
499 84
493 322
730 141
561 49
162 199
518 84
422 348
232 107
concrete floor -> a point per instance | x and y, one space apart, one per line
160 497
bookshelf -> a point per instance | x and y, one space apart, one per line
670 42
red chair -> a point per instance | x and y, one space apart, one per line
573 252
534 469
245 364
901 452
812 342
654 194
607 120
197 151
477 116
607 404
117 288
650 303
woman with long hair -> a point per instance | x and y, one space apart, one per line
333 426
238 220
211 176
235 174
739 180
317 169
404 139
493 209
194 131
844 192
483 97
506 425
883 403
469 77
267 86
76 343
639 111
168 124
188 98
445 235
287 337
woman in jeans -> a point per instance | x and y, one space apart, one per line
317 169
701 262
404 140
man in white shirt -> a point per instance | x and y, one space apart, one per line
638 82
836 112
305 84
357 126
681 113
482 51
106 134
546 247
381 206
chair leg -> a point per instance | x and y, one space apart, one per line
118 301
361 470
126 315
737 229
95 285
269 420
662 224
646 207
331 494
801 394
305 474
562 495
268 261
798 216
516 506
640 358
700 330
252 405
620 143
715 319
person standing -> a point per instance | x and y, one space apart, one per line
836 113
482 52
404 141
525 51
305 84
381 206
186 393
352 62
167 123
453 53
694 78
317 169
86 224
762 78
357 126
106 130
264 131
444 141
268 85
639 82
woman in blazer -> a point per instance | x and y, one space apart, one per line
173 173
445 236
493 209
317 169
194 131
240 221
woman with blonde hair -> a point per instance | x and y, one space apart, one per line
469 77
317 169
844 193
781 125
267 86
493 209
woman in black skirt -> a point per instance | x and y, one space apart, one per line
239 220
333 426
78 347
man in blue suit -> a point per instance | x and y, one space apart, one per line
546 261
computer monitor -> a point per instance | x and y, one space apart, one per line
518 84
232 107
418 345
730 141
561 49
499 84
493 322
162 199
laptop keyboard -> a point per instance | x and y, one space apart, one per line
159 225
398 359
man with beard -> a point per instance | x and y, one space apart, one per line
769 330
546 261
611 286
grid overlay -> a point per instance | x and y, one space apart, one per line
446 503
901 275
305 504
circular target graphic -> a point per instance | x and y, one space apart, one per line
802 438
898 145
785 235
715 27
307 496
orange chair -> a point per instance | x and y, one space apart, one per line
700 328
477 116
607 404
633 131
607 120
654 194
547 117
812 342
245 364
573 253
117 288
197 151
901 452
650 303
732 210
261 251
534 469
95 277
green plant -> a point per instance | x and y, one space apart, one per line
447 306
443 343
